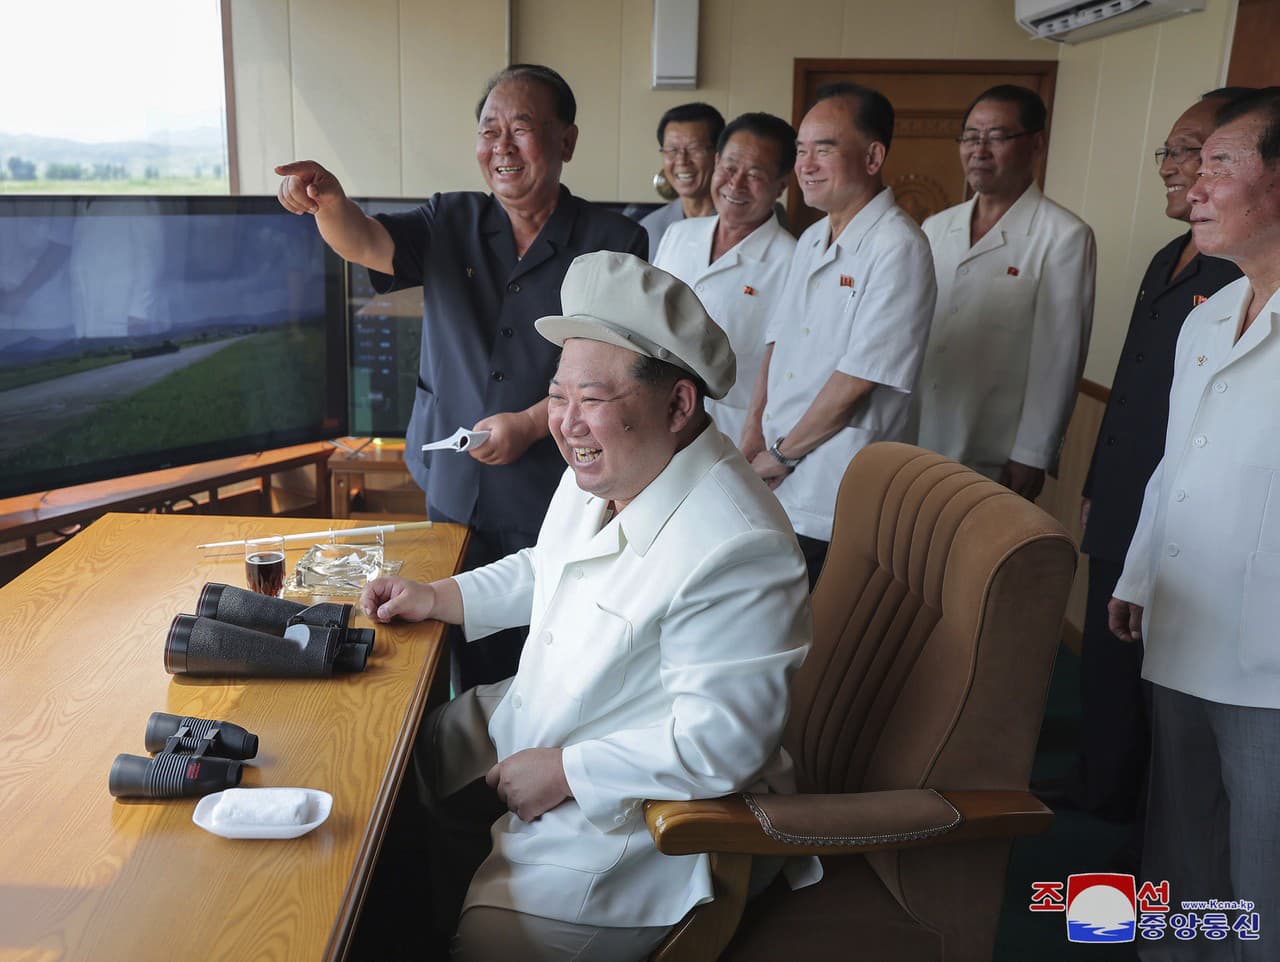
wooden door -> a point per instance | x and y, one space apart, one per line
1253 59
929 98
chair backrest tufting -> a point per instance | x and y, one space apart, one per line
936 622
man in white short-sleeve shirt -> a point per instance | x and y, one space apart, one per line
736 262
848 337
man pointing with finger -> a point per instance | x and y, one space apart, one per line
489 265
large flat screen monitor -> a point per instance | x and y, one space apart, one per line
142 333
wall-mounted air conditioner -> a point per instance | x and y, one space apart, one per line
1071 21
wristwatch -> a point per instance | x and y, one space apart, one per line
781 458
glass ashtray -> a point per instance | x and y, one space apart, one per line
338 569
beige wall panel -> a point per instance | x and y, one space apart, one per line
447 52
987 29
346 82
641 106
1072 140
264 91
1119 131
767 37
583 40
914 29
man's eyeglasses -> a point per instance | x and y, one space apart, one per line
1176 154
993 138
696 152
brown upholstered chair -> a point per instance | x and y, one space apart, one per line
913 725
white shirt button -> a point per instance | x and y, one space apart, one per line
619 819
516 701
1172 550
804 331
545 637
790 375
1219 386
963 270
768 417
1199 440
577 573
1180 495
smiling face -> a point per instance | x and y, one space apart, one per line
616 432
688 157
998 169
746 182
521 146
1235 202
836 167
1186 138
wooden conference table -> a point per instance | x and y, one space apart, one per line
84 876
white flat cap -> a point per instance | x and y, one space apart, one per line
622 300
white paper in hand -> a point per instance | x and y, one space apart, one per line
460 440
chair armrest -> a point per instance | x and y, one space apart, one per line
841 824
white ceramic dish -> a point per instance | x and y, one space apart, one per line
319 805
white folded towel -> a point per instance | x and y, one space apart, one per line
261 806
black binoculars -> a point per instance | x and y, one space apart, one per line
194 756
240 633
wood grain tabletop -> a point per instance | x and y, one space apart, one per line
84 876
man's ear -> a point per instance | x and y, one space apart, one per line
1039 146
568 141
781 186
682 406
876 154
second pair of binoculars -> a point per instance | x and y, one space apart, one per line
240 633
193 757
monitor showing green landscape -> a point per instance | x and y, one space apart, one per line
138 333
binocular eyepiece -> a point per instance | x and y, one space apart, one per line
177 733
194 756
240 633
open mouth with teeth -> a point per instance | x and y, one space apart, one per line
735 201
586 455
508 170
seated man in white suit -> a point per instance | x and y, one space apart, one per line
666 600
736 262
1011 326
